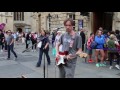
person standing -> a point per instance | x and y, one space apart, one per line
82 34
89 49
59 34
112 50
27 40
53 38
71 46
1 40
10 43
100 40
34 41
44 48
15 37
6 36
23 38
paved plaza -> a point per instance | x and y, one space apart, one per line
26 62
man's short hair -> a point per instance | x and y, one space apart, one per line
71 21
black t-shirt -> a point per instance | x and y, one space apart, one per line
28 37
1 37
83 37
44 40
118 37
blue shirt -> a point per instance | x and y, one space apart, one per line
100 41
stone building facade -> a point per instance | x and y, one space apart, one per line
7 18
21 21
35 21
26 21
90 21
53 20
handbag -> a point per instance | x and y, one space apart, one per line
39 44
53 51
28 41
93 45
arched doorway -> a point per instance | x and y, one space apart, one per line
102 19
19 30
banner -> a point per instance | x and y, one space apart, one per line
80 24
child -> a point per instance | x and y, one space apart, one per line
89 49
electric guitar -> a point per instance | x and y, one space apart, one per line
62 58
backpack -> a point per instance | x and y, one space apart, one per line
93 45
112 46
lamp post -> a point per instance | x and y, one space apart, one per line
39 17
49 18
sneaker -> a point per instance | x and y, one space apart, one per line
97 65
102 64
117 66
49 63
37 65
90 61
110 67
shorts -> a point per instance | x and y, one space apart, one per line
89 51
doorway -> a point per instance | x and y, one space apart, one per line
102 19
19 30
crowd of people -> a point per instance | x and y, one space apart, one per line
106 44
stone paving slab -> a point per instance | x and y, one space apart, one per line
14 70
25 65
7 62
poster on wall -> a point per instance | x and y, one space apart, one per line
80 24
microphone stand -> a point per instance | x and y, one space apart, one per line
44 64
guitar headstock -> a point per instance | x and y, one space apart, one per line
83 55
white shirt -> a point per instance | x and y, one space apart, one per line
56 41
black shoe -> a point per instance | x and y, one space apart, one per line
49 63
8 58
37 65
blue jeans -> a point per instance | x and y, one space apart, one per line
41 51
10 48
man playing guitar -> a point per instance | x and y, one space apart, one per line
71 47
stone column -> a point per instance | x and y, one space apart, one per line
116 21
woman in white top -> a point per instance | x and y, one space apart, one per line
59 34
